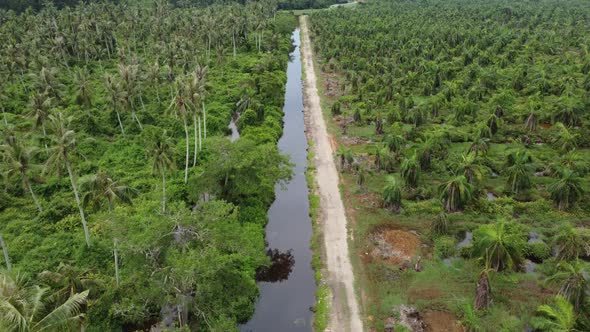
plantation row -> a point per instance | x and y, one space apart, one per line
467 116
123 205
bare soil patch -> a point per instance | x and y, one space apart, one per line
395 246
441 321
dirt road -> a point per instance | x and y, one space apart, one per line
344 314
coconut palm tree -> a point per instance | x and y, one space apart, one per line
18 161
68 280
573 279
558 316
161 153
63 146
410 171
571 243
392 194
100 187
40 106
500 244
456 193
567 190
116 96
83 87
25 308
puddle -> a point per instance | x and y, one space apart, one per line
466 240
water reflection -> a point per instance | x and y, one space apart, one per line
281 266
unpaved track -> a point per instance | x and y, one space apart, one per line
344 314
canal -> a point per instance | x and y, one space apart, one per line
288 292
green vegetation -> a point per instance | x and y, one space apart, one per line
122 204
456 118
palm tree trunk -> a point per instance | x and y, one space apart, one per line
116 262
120 123
187 149
233 41
200 137
195 149
204 121
134 115
44 134
84 224
28 184
163 189
5 250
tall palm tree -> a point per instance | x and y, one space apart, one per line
162 155
24 308
574 282
116 96
100 187
567 190
565 140
63 145
500 244
456 193
558 316
18 160
83 87
40 106
392 194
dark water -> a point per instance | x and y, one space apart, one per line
289 289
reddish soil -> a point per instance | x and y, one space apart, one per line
441 321
395 246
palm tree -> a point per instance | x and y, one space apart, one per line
440 224
392 194
469 167
83 87
24 308
116 96
483 290
456 193
63 144
566 191
68 280
100 186
565 140
346 157
518 171
556 317
161 153
410 171
479 145
18 161
571 243
500 244
573 280
40 105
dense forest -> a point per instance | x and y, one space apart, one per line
123 204
464 137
